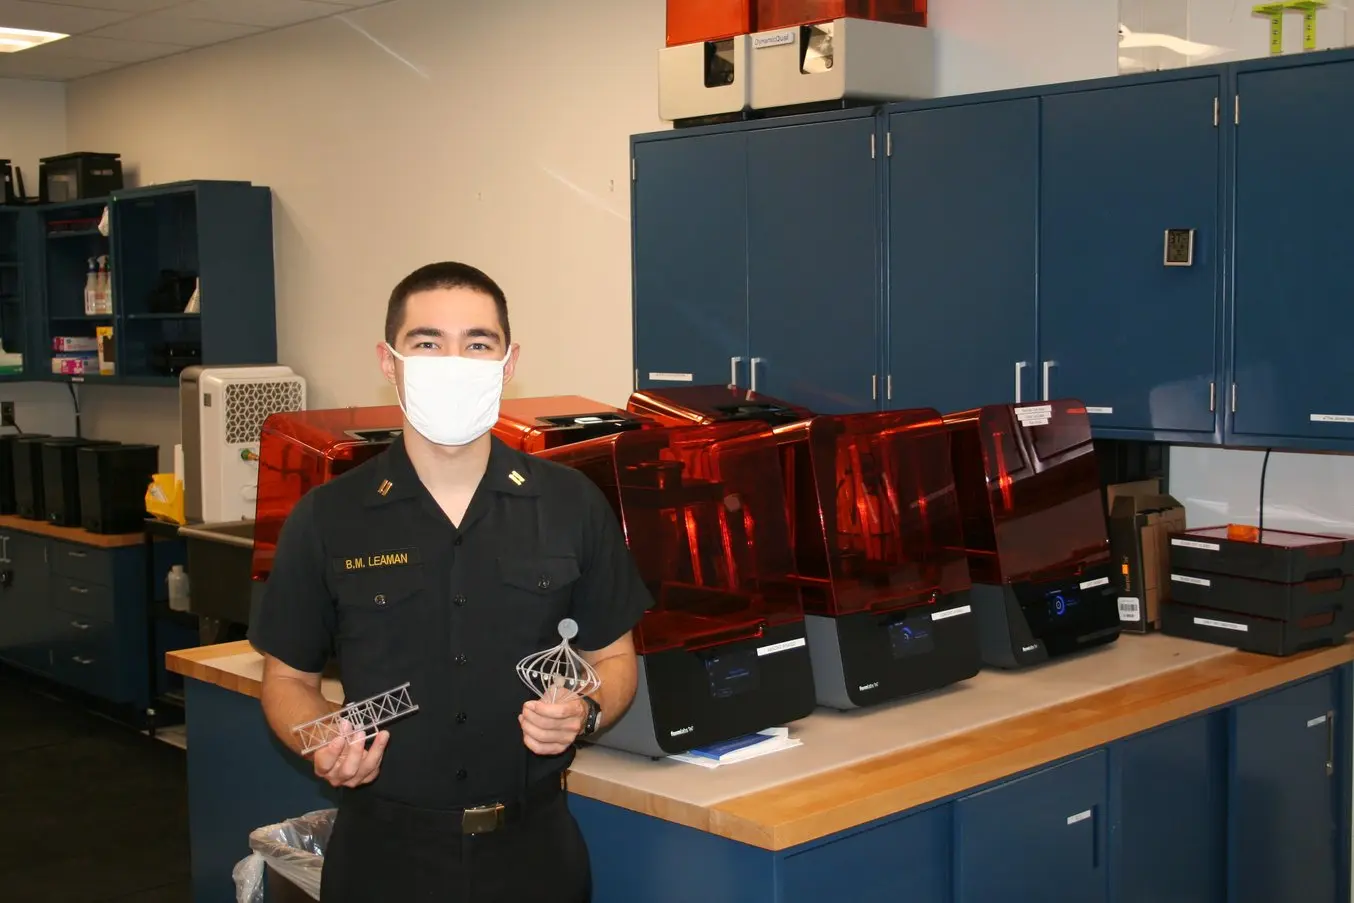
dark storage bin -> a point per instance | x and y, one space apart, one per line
113 484
8 503
28 496
1267 636
61 480
79 176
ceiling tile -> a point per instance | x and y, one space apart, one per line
170 28
53 17
264 13
84 47
353 2
29 65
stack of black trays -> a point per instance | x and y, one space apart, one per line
1278 594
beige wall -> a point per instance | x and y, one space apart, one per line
415 131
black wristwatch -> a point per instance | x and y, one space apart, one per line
594 715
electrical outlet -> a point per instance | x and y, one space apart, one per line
6 413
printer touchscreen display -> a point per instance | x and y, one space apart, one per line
911 636
732 673
1067 609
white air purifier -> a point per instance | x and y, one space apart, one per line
844 59
708 78
222 410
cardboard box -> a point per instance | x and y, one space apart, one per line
1141 519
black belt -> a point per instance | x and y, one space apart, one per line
482 819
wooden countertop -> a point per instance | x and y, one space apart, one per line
855 767
71 534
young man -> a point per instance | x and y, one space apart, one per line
472 554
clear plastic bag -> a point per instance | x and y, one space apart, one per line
294 849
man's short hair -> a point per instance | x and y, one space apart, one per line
444 275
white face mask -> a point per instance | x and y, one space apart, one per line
451 400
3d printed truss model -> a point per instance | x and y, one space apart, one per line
356 719
559 674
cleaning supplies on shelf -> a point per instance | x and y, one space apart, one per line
98 287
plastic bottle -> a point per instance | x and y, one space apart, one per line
178 588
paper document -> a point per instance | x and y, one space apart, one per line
740 749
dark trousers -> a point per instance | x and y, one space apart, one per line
386 852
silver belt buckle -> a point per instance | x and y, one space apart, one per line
482 820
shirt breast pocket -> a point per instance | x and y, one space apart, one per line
540 586
379 623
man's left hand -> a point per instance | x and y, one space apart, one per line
549 729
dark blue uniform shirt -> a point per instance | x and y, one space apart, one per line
369 569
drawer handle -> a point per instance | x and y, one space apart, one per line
80 589
79 625
78 554
81 660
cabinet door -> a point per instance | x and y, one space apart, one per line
963 218
690 259
902 861
814 264
1120 328
1285 796
1040 837
1169 804
1292 363
28 627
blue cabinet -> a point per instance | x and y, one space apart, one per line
1040 837
77 614
963 215
1151 245
690 259
1168 837
757 261
1121 328
1292 369
905 860
27 625
1289 788
814 268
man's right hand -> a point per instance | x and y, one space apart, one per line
350 762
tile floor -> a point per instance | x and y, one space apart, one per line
90 811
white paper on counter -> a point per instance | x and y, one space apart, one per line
777 739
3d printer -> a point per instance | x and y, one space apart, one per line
877 539
1034 528
299 451
723 652
535 424
687 405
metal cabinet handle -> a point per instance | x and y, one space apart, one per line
1048 366
79 625
733 371
1330 743
79 589
1020 372
81 660
77 554
752 370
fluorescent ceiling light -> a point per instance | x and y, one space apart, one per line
12 40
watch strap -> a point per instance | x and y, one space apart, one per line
593 717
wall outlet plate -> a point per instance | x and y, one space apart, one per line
7 413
